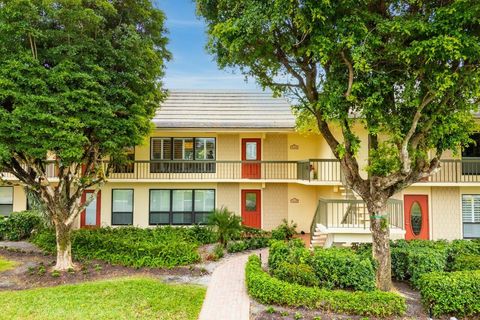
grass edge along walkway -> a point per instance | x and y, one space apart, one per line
122 298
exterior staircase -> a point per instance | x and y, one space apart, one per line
319 237
346 220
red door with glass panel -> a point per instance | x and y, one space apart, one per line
90 216
251 151
252 208
416 217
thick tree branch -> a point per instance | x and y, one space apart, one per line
350 73
404 153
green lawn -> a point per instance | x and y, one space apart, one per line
126 298
6 264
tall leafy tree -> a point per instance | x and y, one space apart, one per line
406 70
79 83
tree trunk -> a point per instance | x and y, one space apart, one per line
380 228
64 247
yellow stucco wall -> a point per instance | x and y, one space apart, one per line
228 195
446 216
275 147
228 147
274 205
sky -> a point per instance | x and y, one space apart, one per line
192 67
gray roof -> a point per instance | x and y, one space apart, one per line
223 109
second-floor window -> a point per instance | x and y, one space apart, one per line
180 151
471 155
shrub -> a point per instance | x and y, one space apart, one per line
269 290
226 224
455 293
247 244
249 232
293 251
285 231
236 246
20 225
423 261
218 251
202 234
411 259
459 248
157 247
296 273
466 262
342 268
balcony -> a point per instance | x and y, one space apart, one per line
311 171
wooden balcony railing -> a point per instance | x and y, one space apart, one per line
345 213
311 170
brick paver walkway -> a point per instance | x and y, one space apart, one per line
227 297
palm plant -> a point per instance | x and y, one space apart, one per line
226 224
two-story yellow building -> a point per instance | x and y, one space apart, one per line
240 150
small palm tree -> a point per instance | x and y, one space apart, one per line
227 225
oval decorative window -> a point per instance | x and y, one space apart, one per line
416 218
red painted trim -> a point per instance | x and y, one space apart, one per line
408 202
98 209
252 218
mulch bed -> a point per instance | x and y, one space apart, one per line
35 270
414 311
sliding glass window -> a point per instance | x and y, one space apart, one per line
122 206
6 201
181 206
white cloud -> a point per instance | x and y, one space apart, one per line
184 23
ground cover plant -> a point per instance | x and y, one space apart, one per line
137 247
6 264
127 298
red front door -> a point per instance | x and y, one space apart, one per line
251 151
416 217
252 208
90 217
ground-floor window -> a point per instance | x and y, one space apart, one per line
6 201
180 206
122 206
471 215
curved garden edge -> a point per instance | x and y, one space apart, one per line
268 290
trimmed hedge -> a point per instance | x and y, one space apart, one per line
20 225
269 290
342 268
412 259
455 293
157 247
466 262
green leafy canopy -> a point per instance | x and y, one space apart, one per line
406 70
78 76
